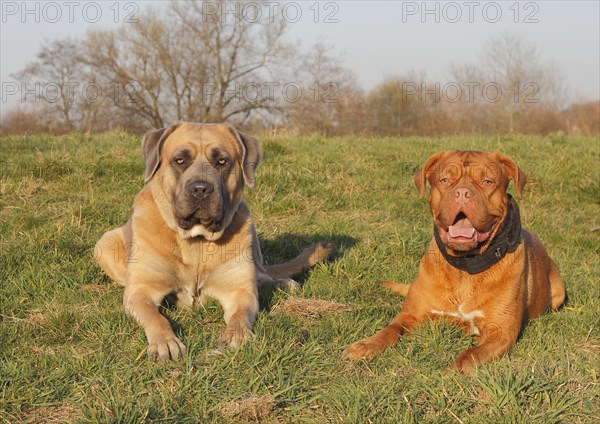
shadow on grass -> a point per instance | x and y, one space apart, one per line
281 249
286 247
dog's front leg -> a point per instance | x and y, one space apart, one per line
386 337
240 309
496 339
142 303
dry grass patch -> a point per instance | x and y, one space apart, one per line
250 408
51 414
308 308
590 345
101 288
36 319
29 187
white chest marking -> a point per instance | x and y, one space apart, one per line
463 316
198 230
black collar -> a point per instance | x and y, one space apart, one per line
506 240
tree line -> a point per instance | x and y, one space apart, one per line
181 63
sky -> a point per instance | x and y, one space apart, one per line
375 39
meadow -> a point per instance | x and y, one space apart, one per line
69 353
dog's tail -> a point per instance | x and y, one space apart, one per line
311 256
401 289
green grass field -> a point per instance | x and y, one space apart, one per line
69 353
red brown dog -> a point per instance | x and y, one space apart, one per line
481 269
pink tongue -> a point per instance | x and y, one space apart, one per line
462 228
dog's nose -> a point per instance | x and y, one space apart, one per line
462 194
200 188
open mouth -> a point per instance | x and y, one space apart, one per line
462 231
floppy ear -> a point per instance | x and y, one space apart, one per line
513 172
251 155
152 143
425 171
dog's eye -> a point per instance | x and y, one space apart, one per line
222 162
488 182
181 158
445 180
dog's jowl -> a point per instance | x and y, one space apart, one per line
191 235
481 269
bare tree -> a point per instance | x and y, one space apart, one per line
29 118
240 54
510 80
329 101
398 107
583 118
54 79
189 62
145 70
211 62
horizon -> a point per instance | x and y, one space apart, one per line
376 43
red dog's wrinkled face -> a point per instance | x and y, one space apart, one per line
468 195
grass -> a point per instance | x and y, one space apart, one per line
68 352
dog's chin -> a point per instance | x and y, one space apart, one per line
199 231
462 246
193 226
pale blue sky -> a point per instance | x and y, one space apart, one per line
375 38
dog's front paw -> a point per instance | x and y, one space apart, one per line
466 362
287 285
165 348
234 335
364 349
